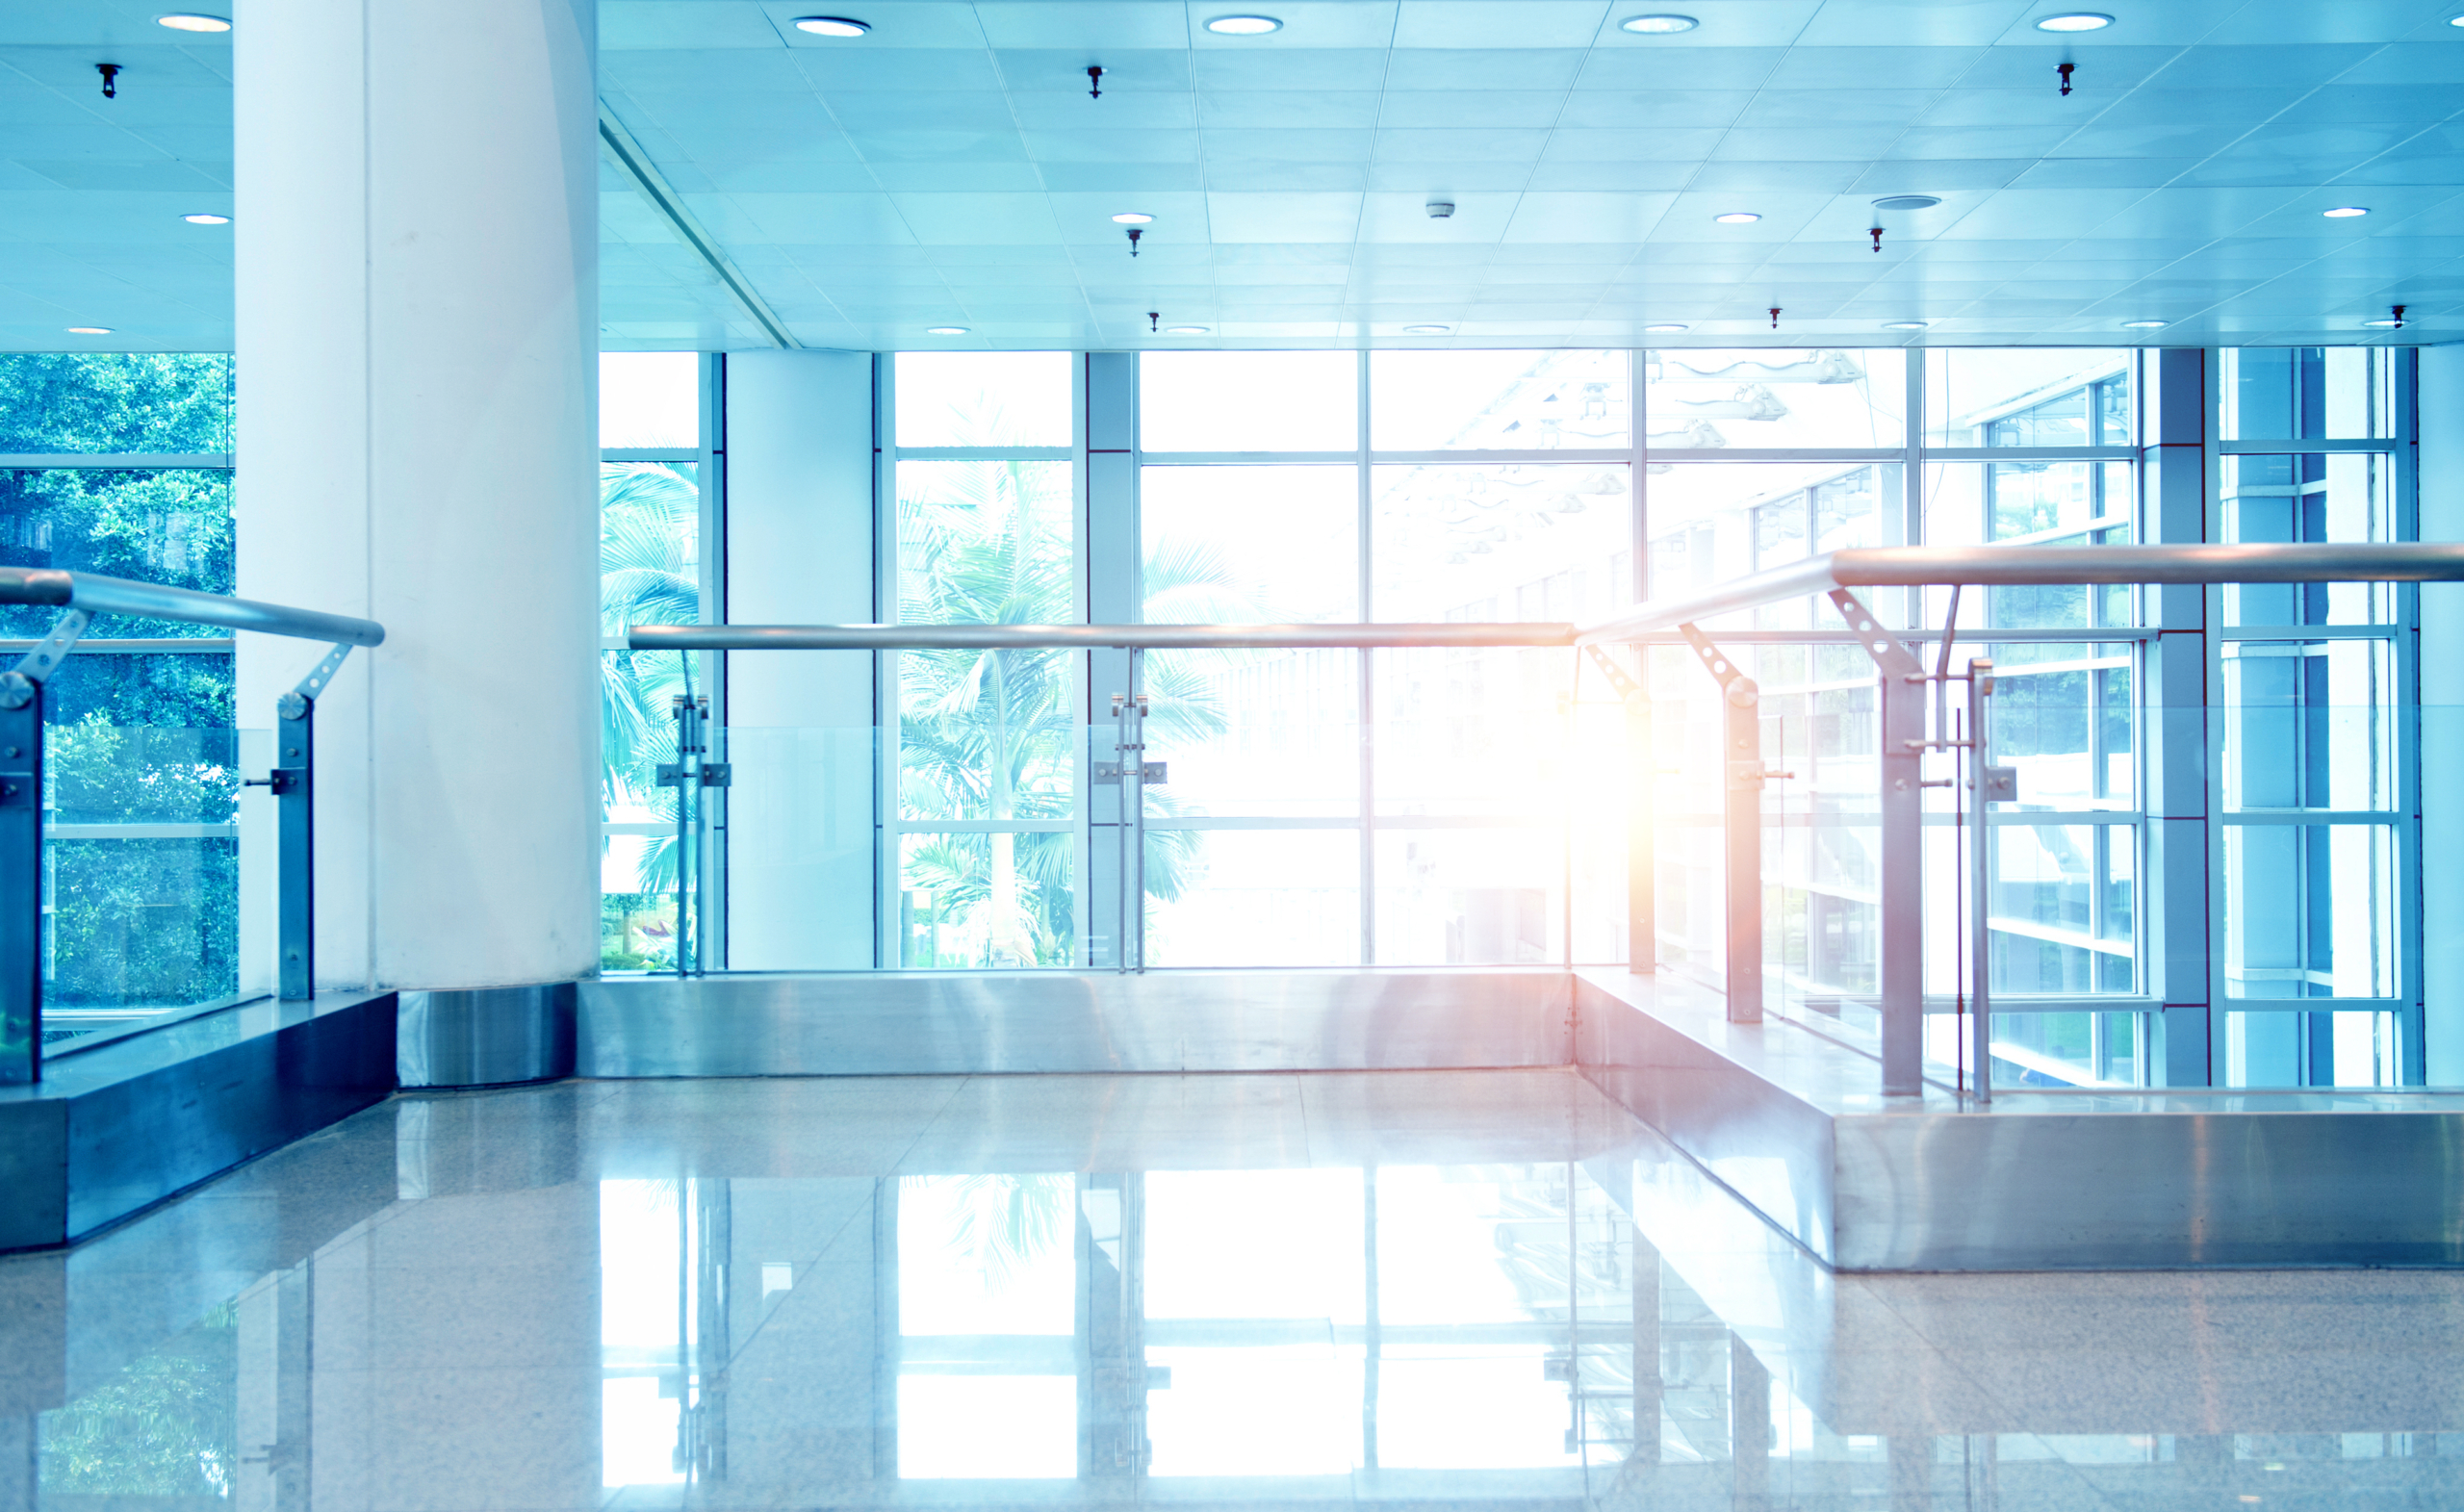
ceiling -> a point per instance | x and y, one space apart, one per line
949 168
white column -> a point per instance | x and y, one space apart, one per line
417 257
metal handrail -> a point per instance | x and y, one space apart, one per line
1866 567
99 595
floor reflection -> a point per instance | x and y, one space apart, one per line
1450 1289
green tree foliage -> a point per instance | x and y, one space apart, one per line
165 1425
648 574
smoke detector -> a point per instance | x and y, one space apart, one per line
1441 209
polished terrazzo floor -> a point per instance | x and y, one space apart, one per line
1448 1289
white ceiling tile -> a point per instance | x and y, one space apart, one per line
1080 24
626 25
1305 216
1680 69
1460 146
1863 23
1288 108
1480 108
1485 26
1256 174
1612 176
1589 217
1292 69
1477 72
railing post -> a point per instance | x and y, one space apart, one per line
21 852
1642 879
292 781
1988 784
1900 679
1741 774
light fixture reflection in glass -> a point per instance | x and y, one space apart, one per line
1133 217
90 330
206 218
945 330
1659 25
2076 21
1427 330
2143 326
832 25
192 21
1244 25
2345 212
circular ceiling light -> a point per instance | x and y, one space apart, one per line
2345 212
1663 330
832 25
206 218
1658 25
1185 330
2076 21
1244 25
1737 217
1906 325
945 330
1907 202
2456 19
90 330
1133 217
192 21
1427 330
2143 326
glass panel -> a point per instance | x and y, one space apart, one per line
2062 907
2308 496
2307 393
1256 734
1249 401
1252 897
1776 398
2061 715
650 573
801 890
987 399
1710 522
142 871
2309 725
1469 897
1472 730
2310 909
116 401
637 925
650 398
1501 401
1506 541
978 901
2027 396
1819 864
1267 544
172 528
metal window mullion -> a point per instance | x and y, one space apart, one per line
888 850
710 478
1082 807
2413 1070
1365 534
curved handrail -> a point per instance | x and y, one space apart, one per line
100 595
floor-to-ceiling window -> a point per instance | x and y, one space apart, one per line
121 464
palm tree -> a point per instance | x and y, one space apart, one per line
648 519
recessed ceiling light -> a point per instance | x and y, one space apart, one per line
90 330
2382 325
2345 212
1244 25
206 218
2076 21
945 330
1905 325
1737 217
2143 326
191 21
832 25
1427 330
2456 21
1133 217
1907 202
1185 330
1663 330
1659 25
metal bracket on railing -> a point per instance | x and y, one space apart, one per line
1900 682
691 774
1741 806
313 683
1132 772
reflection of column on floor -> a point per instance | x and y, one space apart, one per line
1750 1425
701 1426
19 1464
1911 1472
1647 1366
276 1321
1112 1376
1373 1331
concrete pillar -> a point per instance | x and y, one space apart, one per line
2441 410
2173 433
417 252
800 551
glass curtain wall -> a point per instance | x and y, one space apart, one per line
2313 727
121 464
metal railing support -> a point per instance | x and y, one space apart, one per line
1741 776
1988 784
1900 683
292 783
22 812
1642 841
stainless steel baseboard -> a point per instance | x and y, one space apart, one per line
931 1023
487 1036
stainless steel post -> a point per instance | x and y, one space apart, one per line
21 943
1900 683
1986 782
292 781
1741 774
